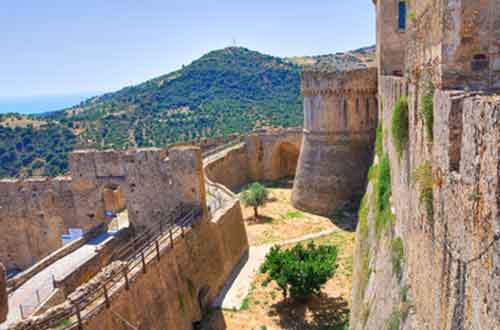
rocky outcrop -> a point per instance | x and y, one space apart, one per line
340 116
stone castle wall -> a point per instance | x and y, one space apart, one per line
450 268
457 41
172 294
265 155
444 273
390 49
174 291
34 213
340 118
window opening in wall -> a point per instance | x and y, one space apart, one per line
402 16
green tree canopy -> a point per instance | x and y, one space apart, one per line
255 196
301 271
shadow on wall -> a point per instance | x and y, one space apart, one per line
284 160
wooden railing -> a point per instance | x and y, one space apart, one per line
137 254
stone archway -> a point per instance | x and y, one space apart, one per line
284 160
115 206
113 198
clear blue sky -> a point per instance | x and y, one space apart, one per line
59 47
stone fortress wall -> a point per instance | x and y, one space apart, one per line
450 276
456 40
340 118
171 288
263 155
34 213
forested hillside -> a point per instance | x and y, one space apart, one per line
233 90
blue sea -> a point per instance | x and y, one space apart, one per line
40 104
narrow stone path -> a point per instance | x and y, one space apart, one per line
40 286
238 284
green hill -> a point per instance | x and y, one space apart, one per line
233 90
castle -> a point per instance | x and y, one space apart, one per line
431 261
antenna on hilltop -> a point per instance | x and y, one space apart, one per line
234 43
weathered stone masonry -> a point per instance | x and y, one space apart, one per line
264 155
450 270
340 118
176 289
35 212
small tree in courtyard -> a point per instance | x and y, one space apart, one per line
301 271
255 196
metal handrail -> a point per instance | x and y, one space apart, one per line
140 258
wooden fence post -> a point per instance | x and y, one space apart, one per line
143 262
125 274
157 250
106 296
78 316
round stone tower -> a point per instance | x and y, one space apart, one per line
340 120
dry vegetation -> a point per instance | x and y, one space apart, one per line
279 220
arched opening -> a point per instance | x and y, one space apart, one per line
115 207
285 158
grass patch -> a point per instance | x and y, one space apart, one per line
394 321
382 195
427 110
422 176
181 301
294 214
190 287
63 324
397 256
363 219
379 141
372 172
400 125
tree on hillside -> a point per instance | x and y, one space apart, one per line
300 271
255 196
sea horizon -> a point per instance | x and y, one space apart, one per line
29 105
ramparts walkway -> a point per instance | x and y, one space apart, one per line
25 299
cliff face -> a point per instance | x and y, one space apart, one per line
428 256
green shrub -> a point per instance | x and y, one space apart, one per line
428 114
397 256
300 271
245 304
255 196
422 176
400 125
